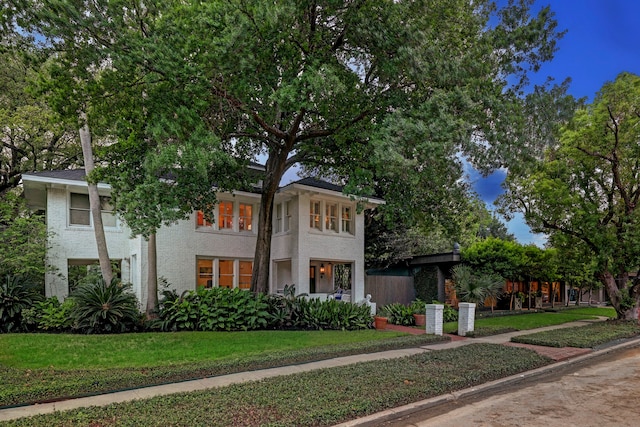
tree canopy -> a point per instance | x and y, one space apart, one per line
383 96
588 189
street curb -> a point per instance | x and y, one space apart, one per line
377 418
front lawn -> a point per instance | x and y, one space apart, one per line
526 321
37 367
318 398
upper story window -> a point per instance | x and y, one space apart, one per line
225 216
80 210
347 219
282 222
315 216
331 217
245 217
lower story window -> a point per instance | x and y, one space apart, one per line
224 273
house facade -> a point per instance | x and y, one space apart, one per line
317 243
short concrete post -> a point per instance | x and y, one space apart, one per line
434 318
466 318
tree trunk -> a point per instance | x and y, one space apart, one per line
626 308
94 202
275 169
152 276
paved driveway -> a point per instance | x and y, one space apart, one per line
604 392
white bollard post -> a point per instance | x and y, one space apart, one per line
466 318
434 318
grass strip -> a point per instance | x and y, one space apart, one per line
588 336
318 398
25 386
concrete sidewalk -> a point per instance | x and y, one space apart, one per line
224 380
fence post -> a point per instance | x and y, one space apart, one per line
466 318
434 318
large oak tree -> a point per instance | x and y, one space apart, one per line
383 95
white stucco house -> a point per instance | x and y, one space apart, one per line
317 230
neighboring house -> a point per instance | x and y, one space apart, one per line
317 231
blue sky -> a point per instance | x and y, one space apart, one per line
602 40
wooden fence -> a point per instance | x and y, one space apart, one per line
388 289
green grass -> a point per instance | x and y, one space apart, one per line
318 398
68 351
19 385
588 336
526 321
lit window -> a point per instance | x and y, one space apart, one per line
315 216
347 219
225 217
201 220
246 270
225 274
331 217
205 273
246 216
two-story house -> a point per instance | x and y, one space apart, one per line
317 231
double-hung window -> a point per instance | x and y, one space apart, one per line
315 220
331 217
225 216
246 217
347 219
80 210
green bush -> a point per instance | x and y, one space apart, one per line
16 295
332 314
398 314
49 315
216 309
449 314
105 308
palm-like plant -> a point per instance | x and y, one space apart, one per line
15 296
476 288
105 308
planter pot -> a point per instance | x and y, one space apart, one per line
380 322
421 319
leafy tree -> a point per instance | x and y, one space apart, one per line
23 240
476 287
32 136
496 256
381 95
588 189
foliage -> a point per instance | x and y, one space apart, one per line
322 397
49 315
333 314
449 314
33 137
425 282
23 240
586 188
496 256
104 308
394 118
398 314
476 288
418 306
16 295
114 362
588 336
